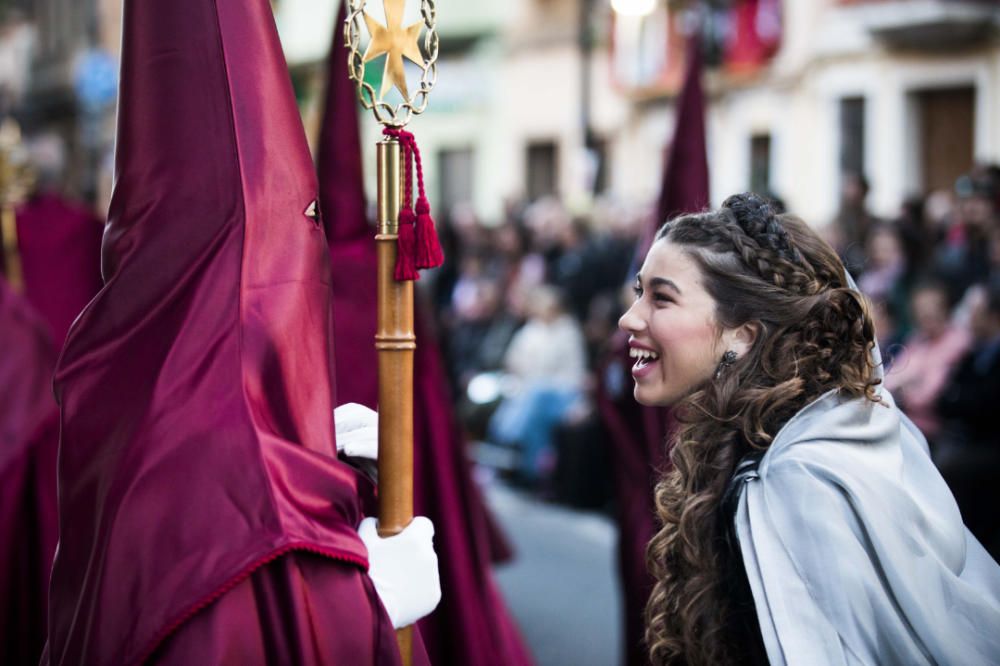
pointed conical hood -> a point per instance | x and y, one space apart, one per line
684 184
471 625
195 390
342 188
351 238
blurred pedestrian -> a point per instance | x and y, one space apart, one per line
963 258
853 222
886 276
928 356
969 449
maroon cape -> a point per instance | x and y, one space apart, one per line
204 514
638 433
28 439
60 247
638 453
471 626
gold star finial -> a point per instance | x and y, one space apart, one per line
396 41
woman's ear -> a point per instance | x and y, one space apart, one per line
741 338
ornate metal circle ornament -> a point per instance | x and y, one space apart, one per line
394 41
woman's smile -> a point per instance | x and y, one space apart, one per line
645 360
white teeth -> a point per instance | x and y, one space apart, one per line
643 354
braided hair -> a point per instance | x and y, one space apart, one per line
814 334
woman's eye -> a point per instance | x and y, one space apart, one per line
637 290
662 298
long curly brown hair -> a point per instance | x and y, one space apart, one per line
814 334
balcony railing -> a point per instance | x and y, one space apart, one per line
928 25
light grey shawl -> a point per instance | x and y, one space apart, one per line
855 549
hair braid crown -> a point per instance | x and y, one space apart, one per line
767 248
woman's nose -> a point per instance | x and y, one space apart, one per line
631 322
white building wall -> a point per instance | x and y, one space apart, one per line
637 155
828 54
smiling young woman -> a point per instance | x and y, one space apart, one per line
803 521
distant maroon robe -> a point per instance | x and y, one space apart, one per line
471 625
59 243
28 439
639 434
59 249
639 456
204 514
684 183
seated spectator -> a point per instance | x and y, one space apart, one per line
920 370
546 362
968 451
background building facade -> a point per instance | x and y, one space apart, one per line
570 98
574 99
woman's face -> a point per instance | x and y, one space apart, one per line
673 333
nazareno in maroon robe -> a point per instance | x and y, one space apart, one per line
638 433
59 245
204 514
471 626
28 439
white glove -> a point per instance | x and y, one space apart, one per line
404 569
357 430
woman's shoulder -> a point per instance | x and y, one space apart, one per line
837 428
862 455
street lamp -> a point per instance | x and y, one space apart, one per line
633 7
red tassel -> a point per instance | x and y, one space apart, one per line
429 252
406 248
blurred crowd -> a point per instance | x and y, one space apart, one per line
528 307
527 310
933 276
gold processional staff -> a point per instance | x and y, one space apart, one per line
405 238
16 181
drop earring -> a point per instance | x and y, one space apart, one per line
727 361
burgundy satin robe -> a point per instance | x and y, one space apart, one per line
290 611
639 455
204 513
639 434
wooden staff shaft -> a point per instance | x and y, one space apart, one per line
12 257
395 341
